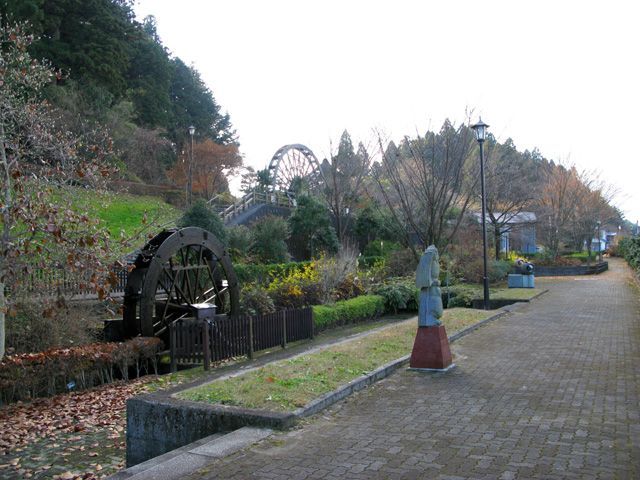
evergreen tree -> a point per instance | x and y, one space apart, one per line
89 40
311 229
192 103
200 215
269 240
111 58
150 75
373 224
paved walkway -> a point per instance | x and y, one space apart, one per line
549 392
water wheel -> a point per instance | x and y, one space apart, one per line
293 163
176 269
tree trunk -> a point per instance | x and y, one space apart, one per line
496 236
6 231
3 308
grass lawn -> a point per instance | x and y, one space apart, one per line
474 291
514 293
120 211
583 256
289 384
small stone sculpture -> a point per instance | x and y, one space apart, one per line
430 307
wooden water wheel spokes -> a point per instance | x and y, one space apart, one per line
181 268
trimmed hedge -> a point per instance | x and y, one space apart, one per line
264 274
357 309
29 375
629 248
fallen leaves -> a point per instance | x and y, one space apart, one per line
89 410
70 422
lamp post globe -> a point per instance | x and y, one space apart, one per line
480 130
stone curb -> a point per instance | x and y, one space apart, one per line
185 460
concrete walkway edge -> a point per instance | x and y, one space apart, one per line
188 459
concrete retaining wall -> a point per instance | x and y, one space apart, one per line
158 423
478 303
571 271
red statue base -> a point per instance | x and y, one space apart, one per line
431 349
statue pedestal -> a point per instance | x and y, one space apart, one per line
431 350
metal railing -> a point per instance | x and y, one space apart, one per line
53 280
278 199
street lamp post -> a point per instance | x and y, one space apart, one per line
480 129
192 130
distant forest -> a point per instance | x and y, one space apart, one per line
115 75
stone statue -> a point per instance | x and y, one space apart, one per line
430 307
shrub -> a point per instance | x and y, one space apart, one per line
264 274
344 312
333 273
268 240
255 300
31 330
460 295
399 295
238 242
350 287
401 263
373 275
498 270
380 248
298 289
471 271
629 248
200 215
366 262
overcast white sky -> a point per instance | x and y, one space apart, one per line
563 76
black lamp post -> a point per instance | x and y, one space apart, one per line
481 132
192 130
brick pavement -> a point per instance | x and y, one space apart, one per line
550 392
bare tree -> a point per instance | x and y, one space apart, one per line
571 203
556 202
344 181
593 207
510 187
428 183
38 160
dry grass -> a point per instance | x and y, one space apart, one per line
289 384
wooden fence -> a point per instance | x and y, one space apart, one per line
234 336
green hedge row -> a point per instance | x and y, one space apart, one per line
265 274
357 309
629 248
